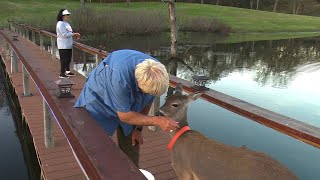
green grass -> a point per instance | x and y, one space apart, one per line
240 20
241 37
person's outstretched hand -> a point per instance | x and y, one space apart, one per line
77 35
167 124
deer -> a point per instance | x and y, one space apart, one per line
194 156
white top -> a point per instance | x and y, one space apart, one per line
64 35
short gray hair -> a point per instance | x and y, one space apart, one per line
152 77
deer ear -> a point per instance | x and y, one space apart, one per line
195 96
178 88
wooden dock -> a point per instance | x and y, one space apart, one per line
88 141
59 162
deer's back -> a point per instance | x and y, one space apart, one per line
203 158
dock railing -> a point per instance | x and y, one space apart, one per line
286 125
97 154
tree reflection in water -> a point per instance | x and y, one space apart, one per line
273 62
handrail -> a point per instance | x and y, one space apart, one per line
289 126
98 154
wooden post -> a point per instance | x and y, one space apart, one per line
25 78
23 31
14 62
19 30
97 59
41 41
154 108
53 47
72 60
10 26
33 36
27 34
8 52
48 126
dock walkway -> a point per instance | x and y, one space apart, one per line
59 162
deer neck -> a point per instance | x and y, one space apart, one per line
182 123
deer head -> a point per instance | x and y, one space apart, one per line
176 105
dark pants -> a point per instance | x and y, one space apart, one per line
125 144
65 60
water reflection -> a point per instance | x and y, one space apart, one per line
11 155
267 70
280 75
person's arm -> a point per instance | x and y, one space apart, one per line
145 111
134 118
63 31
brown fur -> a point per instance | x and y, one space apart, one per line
194 156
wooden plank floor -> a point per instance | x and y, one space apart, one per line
59 162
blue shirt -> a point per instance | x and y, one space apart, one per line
112 87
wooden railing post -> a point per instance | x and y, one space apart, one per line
53 47
8 52
23 31
154 108
48 126
33 36
41 41
14 27
19 30
27 34
72 60
14 61
97 59
10 26
25 78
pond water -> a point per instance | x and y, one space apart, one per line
12 160
279 75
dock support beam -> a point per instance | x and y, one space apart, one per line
41 41
14 61
25 78
97 59
48 126
53 47
33 36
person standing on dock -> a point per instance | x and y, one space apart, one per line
118 94
65 42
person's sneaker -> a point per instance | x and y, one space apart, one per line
70 74
63 76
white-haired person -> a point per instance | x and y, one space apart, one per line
118 94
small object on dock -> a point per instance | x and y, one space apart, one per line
200 82
147 174
14 38
65 88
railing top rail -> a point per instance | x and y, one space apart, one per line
299 130
98 154
296 129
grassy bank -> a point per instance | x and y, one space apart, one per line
240 20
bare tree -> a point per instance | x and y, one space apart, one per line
293 6
217 2
300 4
173 28
275 5
82 4
257 4
251 4
128 2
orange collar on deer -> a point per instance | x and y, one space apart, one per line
176 136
